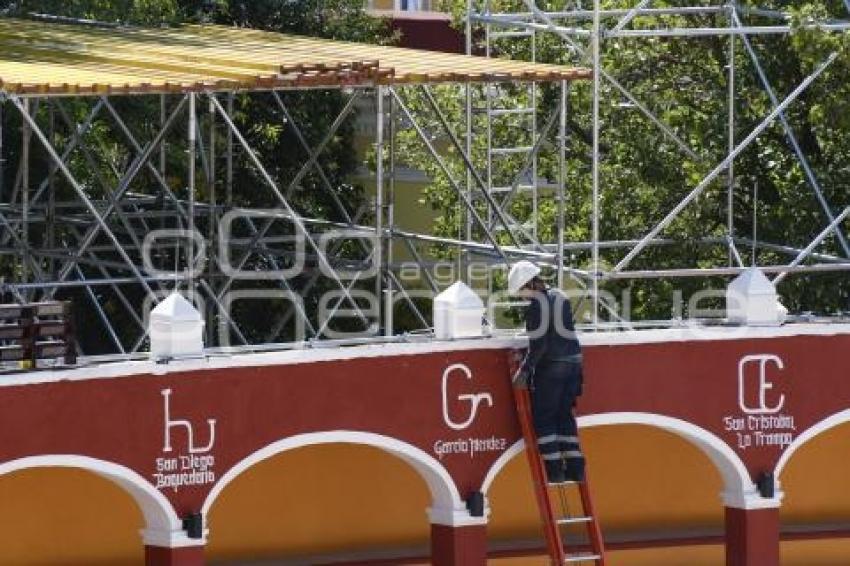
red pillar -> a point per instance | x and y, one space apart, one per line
458 546
752 537
179 556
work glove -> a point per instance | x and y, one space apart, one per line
521 379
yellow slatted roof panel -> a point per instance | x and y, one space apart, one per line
56 58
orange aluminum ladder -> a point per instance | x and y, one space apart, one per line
548 495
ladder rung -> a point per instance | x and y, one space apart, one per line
510 150
563 484
574 520
581 557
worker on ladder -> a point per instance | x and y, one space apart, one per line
551 371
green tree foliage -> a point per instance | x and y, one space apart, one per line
124 11
684 81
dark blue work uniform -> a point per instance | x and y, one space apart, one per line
554 366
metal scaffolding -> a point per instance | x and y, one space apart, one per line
121 237
583 34
125 240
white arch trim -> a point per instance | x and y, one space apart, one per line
739 490
502 461
448 507
163 526
829 422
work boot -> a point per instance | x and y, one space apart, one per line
574 469
554 472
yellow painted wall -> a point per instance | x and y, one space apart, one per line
382 5
320 499
340 498
642 479
57 516
816 480
835 552
410 214
794 553
708 555
635 489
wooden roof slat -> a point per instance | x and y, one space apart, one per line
87 38
405 55
52 58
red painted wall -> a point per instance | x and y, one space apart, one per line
121 420
699 382
431 30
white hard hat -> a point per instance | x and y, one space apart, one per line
521 273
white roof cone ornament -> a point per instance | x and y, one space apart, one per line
176 329
751 299
458 313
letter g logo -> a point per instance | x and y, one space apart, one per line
475 399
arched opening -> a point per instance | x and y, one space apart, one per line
650 486
159 515
815 513
321 501
68 517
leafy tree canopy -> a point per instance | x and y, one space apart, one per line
644 174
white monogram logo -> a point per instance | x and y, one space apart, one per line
763 384
180 423
475 399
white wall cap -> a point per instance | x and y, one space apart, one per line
176 308
459 295
750 498
177 538
459 517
